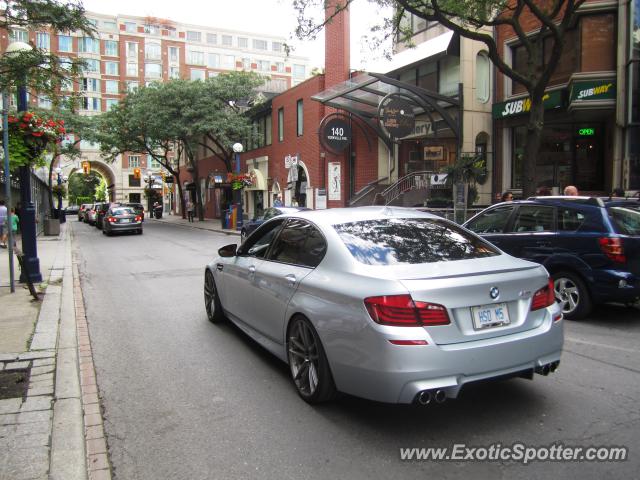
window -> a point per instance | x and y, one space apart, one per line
196 58
246 64
174 72
154 164
298 71
132 50
277 46
91 65
281 125
110 103
153 70
130 27
133 181
111 68
134 161
299 118
152 51
264 65
626 220
229 61
90 104
19 36
152 29
44 102
569 219
132 69
109 25
88 45
258 244
259 44
43 41
299 243
243 42
428 76
65 44
227 40
492 221
131 86
534 218
280 67
449 75
111 86
111 48
213 60
483 77
197 74
90 85
267 130
174 54
212 38
193 36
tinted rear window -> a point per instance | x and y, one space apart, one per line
625 220
122 211
396 241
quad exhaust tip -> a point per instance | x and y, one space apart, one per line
548 368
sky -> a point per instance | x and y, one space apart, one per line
274 17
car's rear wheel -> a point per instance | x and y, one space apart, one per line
572 295
308 362
211 299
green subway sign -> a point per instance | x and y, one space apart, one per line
593 90
521 106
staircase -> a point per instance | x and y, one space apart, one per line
410 190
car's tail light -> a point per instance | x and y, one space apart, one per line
138 218
111 219
402 311
544 297
612 247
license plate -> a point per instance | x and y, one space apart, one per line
125 220
486 316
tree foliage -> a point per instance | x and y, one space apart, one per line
476 19
176 119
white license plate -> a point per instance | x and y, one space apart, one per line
125 220
486 316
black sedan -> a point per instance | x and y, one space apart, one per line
251 225
122 219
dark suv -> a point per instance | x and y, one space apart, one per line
590 246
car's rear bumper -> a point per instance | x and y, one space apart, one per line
129 227
396 374
615 286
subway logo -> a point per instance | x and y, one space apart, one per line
593 91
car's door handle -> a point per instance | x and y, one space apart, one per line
252 269
219 267
291 279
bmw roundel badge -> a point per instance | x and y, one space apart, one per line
494 292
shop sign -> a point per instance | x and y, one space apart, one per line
523 105
397 117
290 160
336 134
594 90
586 132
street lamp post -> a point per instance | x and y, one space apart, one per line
62 179
31 262
237 149
149 179
7 184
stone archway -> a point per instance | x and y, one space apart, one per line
97 166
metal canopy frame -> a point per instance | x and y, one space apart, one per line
361 95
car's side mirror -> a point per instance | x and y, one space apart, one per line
228 250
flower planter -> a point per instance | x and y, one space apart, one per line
51 226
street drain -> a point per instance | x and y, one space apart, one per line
14 383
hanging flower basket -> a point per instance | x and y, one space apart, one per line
60 190
239 181
29 136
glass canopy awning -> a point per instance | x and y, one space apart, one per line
361 96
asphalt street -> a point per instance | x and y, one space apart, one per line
186 399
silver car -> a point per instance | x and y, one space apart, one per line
388 304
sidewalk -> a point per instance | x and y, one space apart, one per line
50 424
213 225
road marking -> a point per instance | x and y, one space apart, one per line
603 345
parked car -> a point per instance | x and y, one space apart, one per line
82 212
72 210
121 219
590 246
386 303
271 212
101 211
90 214
137 207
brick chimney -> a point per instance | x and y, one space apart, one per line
337 56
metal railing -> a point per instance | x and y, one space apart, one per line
414 180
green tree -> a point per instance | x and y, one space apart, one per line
475 19
176 119
82 187
100 192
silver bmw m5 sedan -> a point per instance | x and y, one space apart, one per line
385 303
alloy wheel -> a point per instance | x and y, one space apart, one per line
567 294
304 358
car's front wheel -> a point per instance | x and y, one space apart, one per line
308 362
572 295
211 299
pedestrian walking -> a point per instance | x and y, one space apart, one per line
15 221
3 224
190 210
571 191
507 196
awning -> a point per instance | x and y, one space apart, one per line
430 49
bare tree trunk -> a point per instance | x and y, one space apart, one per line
532 147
